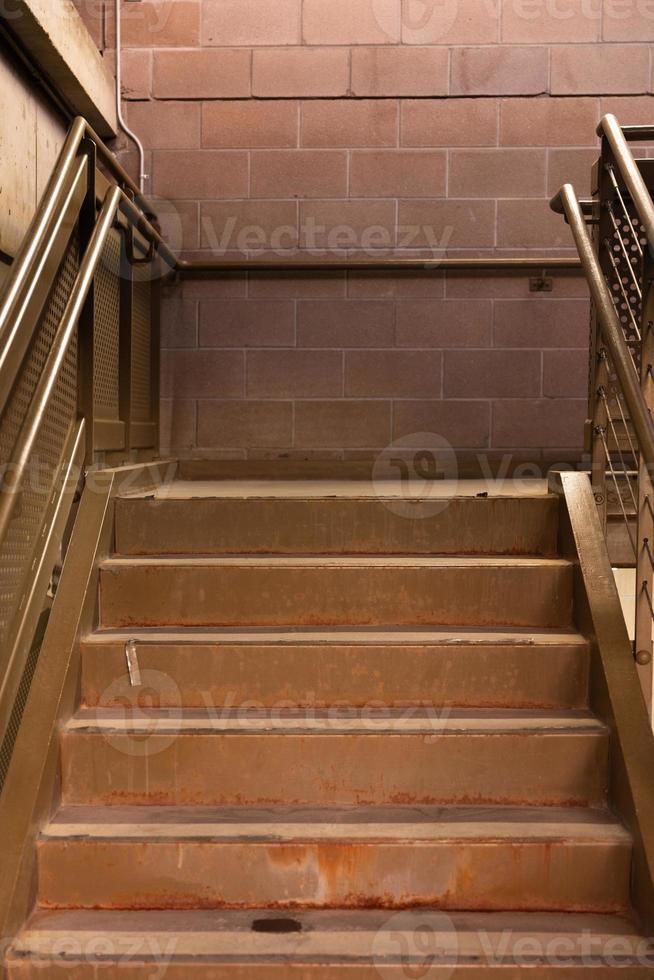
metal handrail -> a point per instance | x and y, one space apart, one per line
56 356
140 211
59 262
199 266
79 130
610 324
25 270
611 130
16 330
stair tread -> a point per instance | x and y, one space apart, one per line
302 824
333 936
395 636
335 561
326 489
370 721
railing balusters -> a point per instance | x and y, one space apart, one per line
620 275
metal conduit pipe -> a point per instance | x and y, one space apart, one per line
143 177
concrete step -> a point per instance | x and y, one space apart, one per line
352 591
468 858
384 524
346 757
319 668
329 945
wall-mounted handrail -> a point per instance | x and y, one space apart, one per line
140 213
612 331
611 130
476 263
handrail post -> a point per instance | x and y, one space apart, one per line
155 350
599 426
599 367
125 338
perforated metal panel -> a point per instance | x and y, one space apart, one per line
18 547
20 702
141 337
625 275
107 324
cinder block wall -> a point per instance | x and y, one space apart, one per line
376 126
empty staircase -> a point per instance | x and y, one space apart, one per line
354 742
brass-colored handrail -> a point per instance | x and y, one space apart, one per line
476 263
38 407
140 213
57 214
612 331
15 330
610 128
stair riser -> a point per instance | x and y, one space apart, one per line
233 769
260 595
201 675
262 970
494 526
560 876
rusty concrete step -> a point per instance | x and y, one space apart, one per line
352 591
328 945
342 757
265 524
455 858
307 668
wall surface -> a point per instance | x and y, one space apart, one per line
366 127
32 130
31 134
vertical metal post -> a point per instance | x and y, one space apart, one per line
599 370
125 337
155 348
86 328
645 565
599 428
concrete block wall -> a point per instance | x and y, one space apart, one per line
375 127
